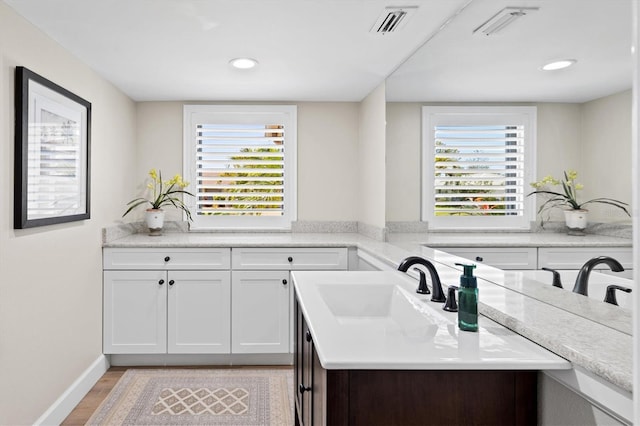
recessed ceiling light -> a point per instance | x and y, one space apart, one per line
243 63
558 65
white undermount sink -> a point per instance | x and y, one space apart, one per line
357 300
375 303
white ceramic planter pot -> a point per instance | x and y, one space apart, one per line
576 221
155 221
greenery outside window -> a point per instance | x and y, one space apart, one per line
477 163
240 160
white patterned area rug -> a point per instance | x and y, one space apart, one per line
237 397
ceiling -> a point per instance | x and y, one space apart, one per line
456 65
322 50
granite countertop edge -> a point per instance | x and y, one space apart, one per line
201 239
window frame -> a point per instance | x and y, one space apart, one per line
232 114
476 115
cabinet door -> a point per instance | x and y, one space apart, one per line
575 257
135 307
503 258
304 381
269 258
199 312
166 258
308 388
260 312
298 360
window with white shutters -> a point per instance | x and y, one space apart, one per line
477 165
240 161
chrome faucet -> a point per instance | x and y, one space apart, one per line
582 280
438 293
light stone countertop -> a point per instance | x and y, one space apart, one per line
455 239
598 349
504 239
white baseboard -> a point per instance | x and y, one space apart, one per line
63 406
165 360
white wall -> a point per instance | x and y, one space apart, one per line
568 137
327 155
558 144
159 146
51 287
403 175
327 161
371 155
606 147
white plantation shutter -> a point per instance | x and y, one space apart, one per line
477 166
241 165
240 169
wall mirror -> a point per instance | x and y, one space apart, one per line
456 66
51 153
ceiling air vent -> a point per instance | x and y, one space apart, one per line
502 19
392 19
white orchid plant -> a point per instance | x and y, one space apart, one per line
163 193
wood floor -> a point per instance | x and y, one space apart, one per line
96 395
101 389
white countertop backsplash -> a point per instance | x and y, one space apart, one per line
601 350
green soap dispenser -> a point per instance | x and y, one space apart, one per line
468 299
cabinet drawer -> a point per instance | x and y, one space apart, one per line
503 258
147 258
289 259
575 257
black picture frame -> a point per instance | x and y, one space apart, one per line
52 153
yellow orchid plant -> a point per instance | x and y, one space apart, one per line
164 193
569 195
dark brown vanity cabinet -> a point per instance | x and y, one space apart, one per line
407 397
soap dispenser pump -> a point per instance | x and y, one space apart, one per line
468 299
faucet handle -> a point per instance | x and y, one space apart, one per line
610 296
451 305
557 281
422 286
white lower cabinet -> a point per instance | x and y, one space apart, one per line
178 312
299 258
199 312
201 301
574 258
260 312
262 303
135 312
499 257
539 257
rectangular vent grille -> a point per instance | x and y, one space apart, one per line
503 19
392 19
391 22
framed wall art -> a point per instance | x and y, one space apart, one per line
52 147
